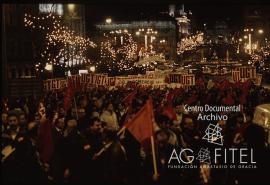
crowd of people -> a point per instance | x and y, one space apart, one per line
45 142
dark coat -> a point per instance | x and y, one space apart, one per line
23 165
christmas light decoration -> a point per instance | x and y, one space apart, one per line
190 43
118 52
261 54
62 46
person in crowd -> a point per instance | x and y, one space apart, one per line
21 162
114 161
109 117
13 132
4 121
74 159
93 144
85 145
261 152
23 121
57 162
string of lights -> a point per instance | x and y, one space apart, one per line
260 54
118 51
62 46
190 43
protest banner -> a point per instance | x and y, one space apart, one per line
236 76
247 72
184 79
243 74
53 84
86 81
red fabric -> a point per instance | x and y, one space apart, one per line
128 100
141 125
229 100
45 141
69 95
225 85
200 82
245 88
169 112
170 96
192 99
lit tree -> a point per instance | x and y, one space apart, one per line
62 46
118 53
261 54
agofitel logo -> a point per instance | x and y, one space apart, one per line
213 134
216 158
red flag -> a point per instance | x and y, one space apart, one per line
169 112
69 95
168 108
141 125
45 141
128 99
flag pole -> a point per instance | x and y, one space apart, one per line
154 156
110 143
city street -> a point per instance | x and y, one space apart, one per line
135 93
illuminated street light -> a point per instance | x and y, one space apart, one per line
137 33
260 31
48 67
245 37
255 46
240 40
108 20
71 7
92 68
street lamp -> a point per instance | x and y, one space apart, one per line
48 67
260 31
92 68
249 46
108 20
71 7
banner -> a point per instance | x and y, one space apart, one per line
95 79
53 84
236 76
184 79
243 74
150 79
247 72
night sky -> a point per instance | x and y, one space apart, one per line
208 12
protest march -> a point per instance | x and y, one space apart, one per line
123 134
